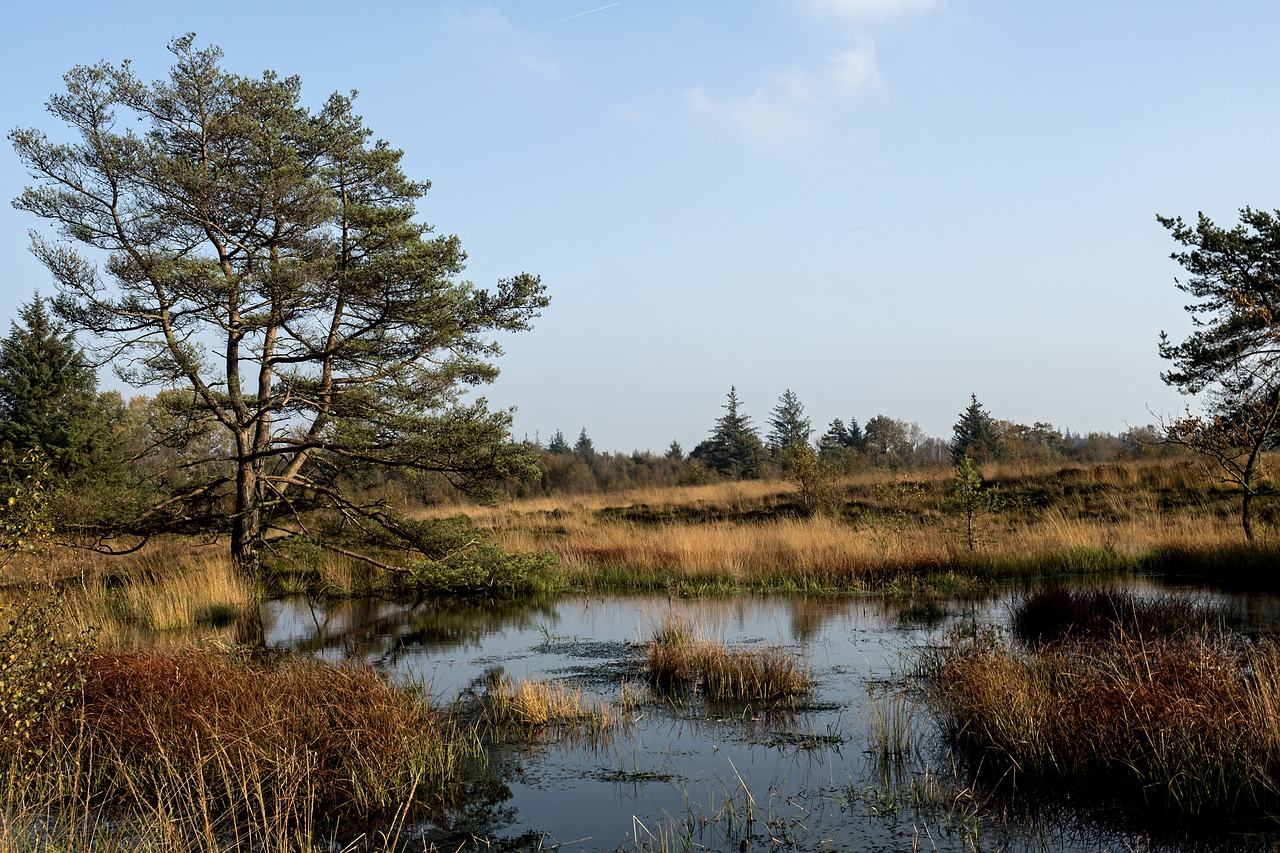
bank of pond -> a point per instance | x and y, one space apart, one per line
1129 714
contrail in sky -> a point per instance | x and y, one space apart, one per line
578 15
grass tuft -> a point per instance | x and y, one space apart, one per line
1163 719
678 659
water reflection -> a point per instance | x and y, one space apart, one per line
687 775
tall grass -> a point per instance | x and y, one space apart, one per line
538 704
1180 721
1161 515
677 658
199 750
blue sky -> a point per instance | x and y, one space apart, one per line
884 205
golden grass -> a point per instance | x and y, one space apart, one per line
537 703
1186 723
750 534
676 657
174 591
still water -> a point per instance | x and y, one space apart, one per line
688 776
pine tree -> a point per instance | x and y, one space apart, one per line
49 398
788 427
734 448
976 435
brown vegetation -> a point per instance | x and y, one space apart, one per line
1165 718
676 658
201 750
757 534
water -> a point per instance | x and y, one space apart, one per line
690 776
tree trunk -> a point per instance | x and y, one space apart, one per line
1246 514
246 526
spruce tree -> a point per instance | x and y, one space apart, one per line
585 450
854 436
734 448
49 398
975 435
559 445
788 427
835 439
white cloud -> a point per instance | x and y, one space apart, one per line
796 102
546 68
855 69
759 115
869 8
479 18
498 40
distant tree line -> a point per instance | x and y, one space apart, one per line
112 459
735 449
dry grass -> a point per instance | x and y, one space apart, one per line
677 658
535 703
199 751
887 531
186 595
1186 723
753 534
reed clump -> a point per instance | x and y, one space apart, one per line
539 704
1183 723
204 749
1055 613
678 659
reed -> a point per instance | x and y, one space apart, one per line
205 750
677 659
535 703
1183 725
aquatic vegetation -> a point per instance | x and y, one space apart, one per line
536 703
1186 725
212 750
677 658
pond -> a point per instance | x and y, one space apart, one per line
687 775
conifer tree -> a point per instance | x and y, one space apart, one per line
976 435
788 427
734 448
559 445
49 398
215 234
585 450
854 436
835 439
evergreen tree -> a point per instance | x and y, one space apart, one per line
49 399
559 445
835 439
675 451
734 448
788 427
976 435
585 450
854 436
210 211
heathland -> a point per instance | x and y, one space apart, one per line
168 635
